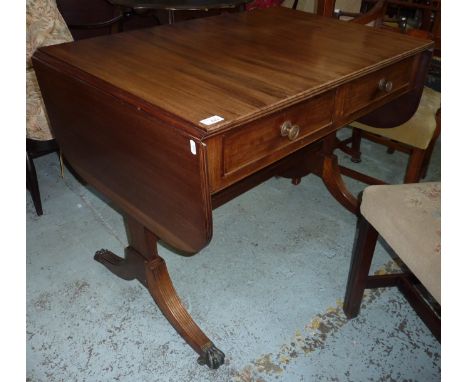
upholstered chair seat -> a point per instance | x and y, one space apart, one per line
416 137
419 129
407 217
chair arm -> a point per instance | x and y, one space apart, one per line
377 12
338 13
102 24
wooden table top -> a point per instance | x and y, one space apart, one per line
238 66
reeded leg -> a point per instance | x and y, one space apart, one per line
162 290
361 259
143 263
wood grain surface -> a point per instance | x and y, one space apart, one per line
125 107
237 66
126 111
148 170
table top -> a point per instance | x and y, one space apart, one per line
237 66
179 5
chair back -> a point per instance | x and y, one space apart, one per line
396 112
44 26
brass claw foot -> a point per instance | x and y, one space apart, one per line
212 357
143 263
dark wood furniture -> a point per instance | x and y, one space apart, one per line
423 15
418 157
374 14
89 12
35 149
418 160
173 121
137 14
425 260
38 147
359 279
173 6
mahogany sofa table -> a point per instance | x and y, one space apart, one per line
173 121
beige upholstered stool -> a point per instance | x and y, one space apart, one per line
416 137
407 217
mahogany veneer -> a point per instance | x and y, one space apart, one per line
127 111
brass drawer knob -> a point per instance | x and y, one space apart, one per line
289 130
385 85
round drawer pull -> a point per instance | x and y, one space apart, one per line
385 85
289 130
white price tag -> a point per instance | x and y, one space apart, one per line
193 147
212 120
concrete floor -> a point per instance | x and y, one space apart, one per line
267 291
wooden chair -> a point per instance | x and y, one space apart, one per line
44 26
407 217
420 109
351 9
415 137
326 7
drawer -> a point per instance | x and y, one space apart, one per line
262 142
363 91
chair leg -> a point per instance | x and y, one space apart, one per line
427 159
363 251
415 166
32 184
430 147
62 165
356 145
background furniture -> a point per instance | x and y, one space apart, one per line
173 6
262 4
416 137
138 14
421 15
44 26
79 13
407 217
